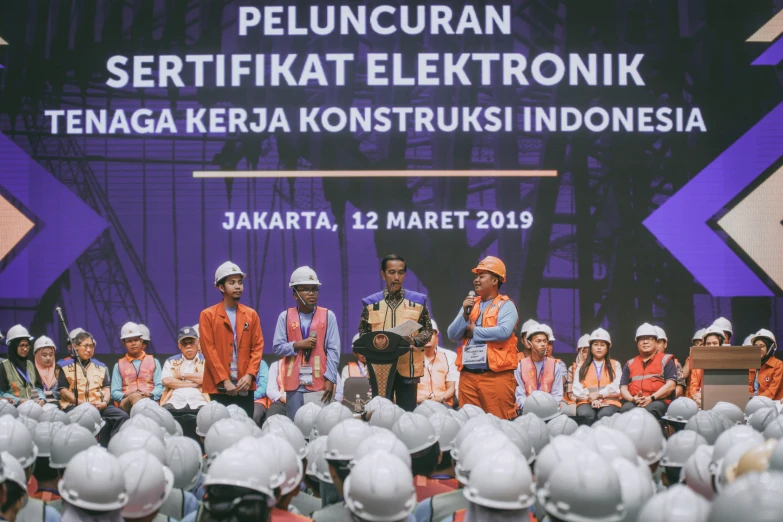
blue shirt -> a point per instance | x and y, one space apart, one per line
232 317
284 348
507 320
116 381
261 379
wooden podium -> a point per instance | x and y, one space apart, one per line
725 373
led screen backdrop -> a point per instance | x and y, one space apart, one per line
621 157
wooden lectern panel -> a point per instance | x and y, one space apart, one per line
725 372
725 357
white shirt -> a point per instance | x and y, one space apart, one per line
453 375
272 389
184 397
580 392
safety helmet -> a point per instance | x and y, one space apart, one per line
754 460
145 332
130 330
583 488
724 324
148 483
208 415
536 430
757 403
660 333
239 468
316 461
28 423
646 330
676 503
415 431
304 275
714 330
731 410
373 404
558 450
645 432
224 434
76 331
305 418
52 415
284 459
519 438
541 328
468 411
699 335
385 416
476 450
707 425
726 469
762 418
601 335
183 458
88 416
429 407
636 486
583 342
30 409
747 341
43 342
289 432
467 430
16 440
383 442
542 405
494 265
730 439
447 428
611 444
43 436
16 332
12 470
680 447
380 489
330 416
143 404
131 439
561 425
763 334
146 424
8 409
696 472
774 429
502 480
163 417
582 433
776 459
226 269
346 436
681 409
527 325
754 496
94 480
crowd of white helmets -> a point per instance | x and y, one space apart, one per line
723 464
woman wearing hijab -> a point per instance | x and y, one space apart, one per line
18 377
48 371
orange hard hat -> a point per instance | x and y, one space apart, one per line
494 265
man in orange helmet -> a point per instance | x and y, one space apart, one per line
487 354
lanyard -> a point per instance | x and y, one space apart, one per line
540 374
305 333
598 371
25 375
361 370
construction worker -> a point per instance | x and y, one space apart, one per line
137 375
649 379
18 379
439 382
582 348
352 370
725 325
183 374
421 439
697 340
768 381
539 372
260 401
85 501
523 346
48 370
45 476
183 458
231 341
13 488
274 401
309 340
90 379
391 307
662 342
679 447
68 347
148 484
597 382
447 428
755 496
361 494
712 336
676 503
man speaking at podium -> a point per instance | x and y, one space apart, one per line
391 307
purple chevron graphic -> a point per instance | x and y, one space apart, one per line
67 226
772 56
681 226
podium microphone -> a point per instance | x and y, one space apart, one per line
469 309
309 352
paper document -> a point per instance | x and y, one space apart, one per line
407 328
313 397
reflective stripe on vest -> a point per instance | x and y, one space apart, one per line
530 378
647 379
292 363
143 380
411 364
19 386
593 384
90 388
501 355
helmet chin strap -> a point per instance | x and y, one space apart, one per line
302 301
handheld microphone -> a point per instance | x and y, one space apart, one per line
309 352
469 309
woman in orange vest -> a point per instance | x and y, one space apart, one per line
597 386
713 336
768 380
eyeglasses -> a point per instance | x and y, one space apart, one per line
87 345
308 290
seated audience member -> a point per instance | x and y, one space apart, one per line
597 382
260 401
439 382
18 379
662 343
182 374
713 336
768 381
90 378
13 488
725 325
686 366
69 348
48 370
274 391
137 375
539 372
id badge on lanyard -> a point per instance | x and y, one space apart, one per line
305 375
474 356
233 367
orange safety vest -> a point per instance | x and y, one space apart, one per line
434 379
90 386
647 379
354 370
428 488
449 481
459 516
142 380
46 496
593 384
292 363
531 381
501 355
280 515
266 401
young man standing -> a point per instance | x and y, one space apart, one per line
137 375
232 343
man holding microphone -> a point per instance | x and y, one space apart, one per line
308 339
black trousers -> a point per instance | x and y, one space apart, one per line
405 392
261 413
657 408
587 415
243 401
186 418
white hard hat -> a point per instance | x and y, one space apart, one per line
501 481
730 439
714 330
330 416
304 275
224 434
611 443
583 488
447 428
757 403
130 330
385 417
696 472
748 341
43 342
44 436
144 423
239 468
762 418
284 459
560 449
676 503
16 332
561 425
774 429
208 415
148 483
415 431
776 458
468 411
763 334
430 407
375 403
316 461
383 442
541 404
584 342
12 470
183 458
478 450
434 325
28 423
131 439
380 489
145 332
731 410
707 425
724 471
8 409
755 496
76 331
646 330
636 486
601 335
660 333
226 269
541 328
143 404
345 437
724 324
16 440
645 432
88 416
290 432
680 446
681 409
30 409
163 417
94 480
527 325
466 431
536 430
51 414
583 433
699 334
519 438
236 412
195 327
305 418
